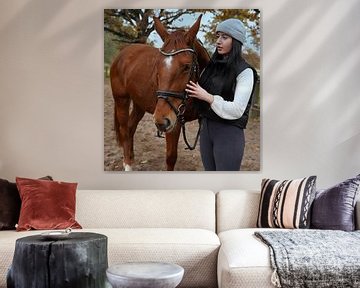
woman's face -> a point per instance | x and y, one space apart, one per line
223 43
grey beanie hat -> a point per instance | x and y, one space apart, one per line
233 27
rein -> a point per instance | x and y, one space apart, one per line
179 112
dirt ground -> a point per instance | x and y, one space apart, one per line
150 150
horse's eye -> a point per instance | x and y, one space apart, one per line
187 67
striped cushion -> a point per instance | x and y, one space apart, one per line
286 204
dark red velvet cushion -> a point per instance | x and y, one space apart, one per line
46 204
10 204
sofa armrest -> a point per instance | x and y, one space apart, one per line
357 215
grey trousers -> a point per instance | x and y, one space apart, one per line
221 146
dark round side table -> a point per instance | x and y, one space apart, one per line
79 260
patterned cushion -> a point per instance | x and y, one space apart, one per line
334 208
286 204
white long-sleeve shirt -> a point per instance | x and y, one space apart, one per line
231 110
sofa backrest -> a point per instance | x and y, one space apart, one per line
236 209
146 209
239 209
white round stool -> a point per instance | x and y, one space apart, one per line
145 275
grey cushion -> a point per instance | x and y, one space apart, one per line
333 208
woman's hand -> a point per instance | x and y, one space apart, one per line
195 90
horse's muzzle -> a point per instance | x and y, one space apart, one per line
164 126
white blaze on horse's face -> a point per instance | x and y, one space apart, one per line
168 61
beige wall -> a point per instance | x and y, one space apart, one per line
51 93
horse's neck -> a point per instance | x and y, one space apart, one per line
192 112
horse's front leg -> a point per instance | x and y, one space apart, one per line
135 116
172 140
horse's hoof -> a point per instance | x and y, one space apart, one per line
127 167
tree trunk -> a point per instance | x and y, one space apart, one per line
79 261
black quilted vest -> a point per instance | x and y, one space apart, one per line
214 86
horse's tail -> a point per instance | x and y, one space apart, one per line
117 125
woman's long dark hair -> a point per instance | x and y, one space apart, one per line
221 72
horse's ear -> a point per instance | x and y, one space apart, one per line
160 29
191 34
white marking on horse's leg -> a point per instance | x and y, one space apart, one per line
168 61
127 167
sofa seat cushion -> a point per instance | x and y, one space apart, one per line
196 250
244 261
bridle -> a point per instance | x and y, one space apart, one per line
183 95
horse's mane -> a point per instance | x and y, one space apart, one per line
202 54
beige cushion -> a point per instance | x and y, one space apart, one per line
146 209
236 209
244 261
194 249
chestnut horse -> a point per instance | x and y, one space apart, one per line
154 80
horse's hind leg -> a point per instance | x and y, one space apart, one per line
135 116
121 118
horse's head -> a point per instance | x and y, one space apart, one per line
177 64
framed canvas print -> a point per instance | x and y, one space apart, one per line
181 89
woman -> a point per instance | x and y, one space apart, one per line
225 91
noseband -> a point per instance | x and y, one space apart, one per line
183 95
